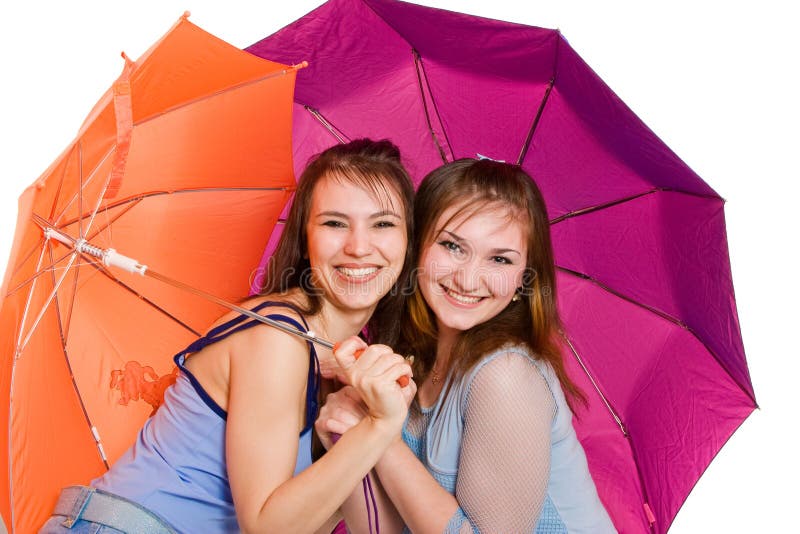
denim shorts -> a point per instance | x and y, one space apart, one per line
85 510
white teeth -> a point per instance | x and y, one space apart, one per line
358 273
464 299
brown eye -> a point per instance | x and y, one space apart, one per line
502 260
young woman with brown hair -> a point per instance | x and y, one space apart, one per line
489 444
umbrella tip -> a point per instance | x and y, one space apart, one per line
128 61
186 15
301 65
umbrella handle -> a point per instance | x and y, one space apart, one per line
402 381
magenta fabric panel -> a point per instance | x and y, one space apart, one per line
487 78
608 452
639 237
667 251
360 73
572 166
677 403
474 109
484 46
618 129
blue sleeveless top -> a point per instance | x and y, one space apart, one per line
571 503
176 468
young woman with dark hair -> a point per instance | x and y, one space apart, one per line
230 448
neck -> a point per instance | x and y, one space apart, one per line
446 338
335 324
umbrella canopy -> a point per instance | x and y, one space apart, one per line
184 164
644 285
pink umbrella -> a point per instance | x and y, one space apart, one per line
651 330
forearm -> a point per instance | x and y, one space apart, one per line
424 505
304 502
355 509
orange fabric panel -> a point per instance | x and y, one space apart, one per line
206 174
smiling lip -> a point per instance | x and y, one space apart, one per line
461 300
357 274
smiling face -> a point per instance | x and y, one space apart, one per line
472 265
356 243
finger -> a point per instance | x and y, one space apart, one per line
339 417
386 361
372 353
381 363
346 400
351 393
359 352
344 351
409 392
355 404
332 426
398 372
346 417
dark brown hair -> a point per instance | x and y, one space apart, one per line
375 166
531 321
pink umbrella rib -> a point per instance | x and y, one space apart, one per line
336 132
598 207
420 69
664 316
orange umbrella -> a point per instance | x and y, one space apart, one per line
185 164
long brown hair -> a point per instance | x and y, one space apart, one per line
532 320
374 166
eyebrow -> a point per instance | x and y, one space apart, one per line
376 215
493 251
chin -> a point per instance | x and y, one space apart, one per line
459 325
359 305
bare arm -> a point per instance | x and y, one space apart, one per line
265 409
343 410
504 461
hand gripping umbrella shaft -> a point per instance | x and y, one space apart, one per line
111 258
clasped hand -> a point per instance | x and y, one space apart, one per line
372 390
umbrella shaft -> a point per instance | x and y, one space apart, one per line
110 257
308 336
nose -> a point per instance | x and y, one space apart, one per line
358 243
468 275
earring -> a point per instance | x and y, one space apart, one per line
516 297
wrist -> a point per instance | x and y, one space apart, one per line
388 428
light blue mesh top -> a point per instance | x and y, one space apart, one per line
571 503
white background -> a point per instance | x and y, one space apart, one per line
717 81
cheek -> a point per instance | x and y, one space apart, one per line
505 282
425 275
400 245
436 263
312 241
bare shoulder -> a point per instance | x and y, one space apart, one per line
268 365
285 304
263 338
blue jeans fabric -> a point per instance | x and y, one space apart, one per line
86 510
55 525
